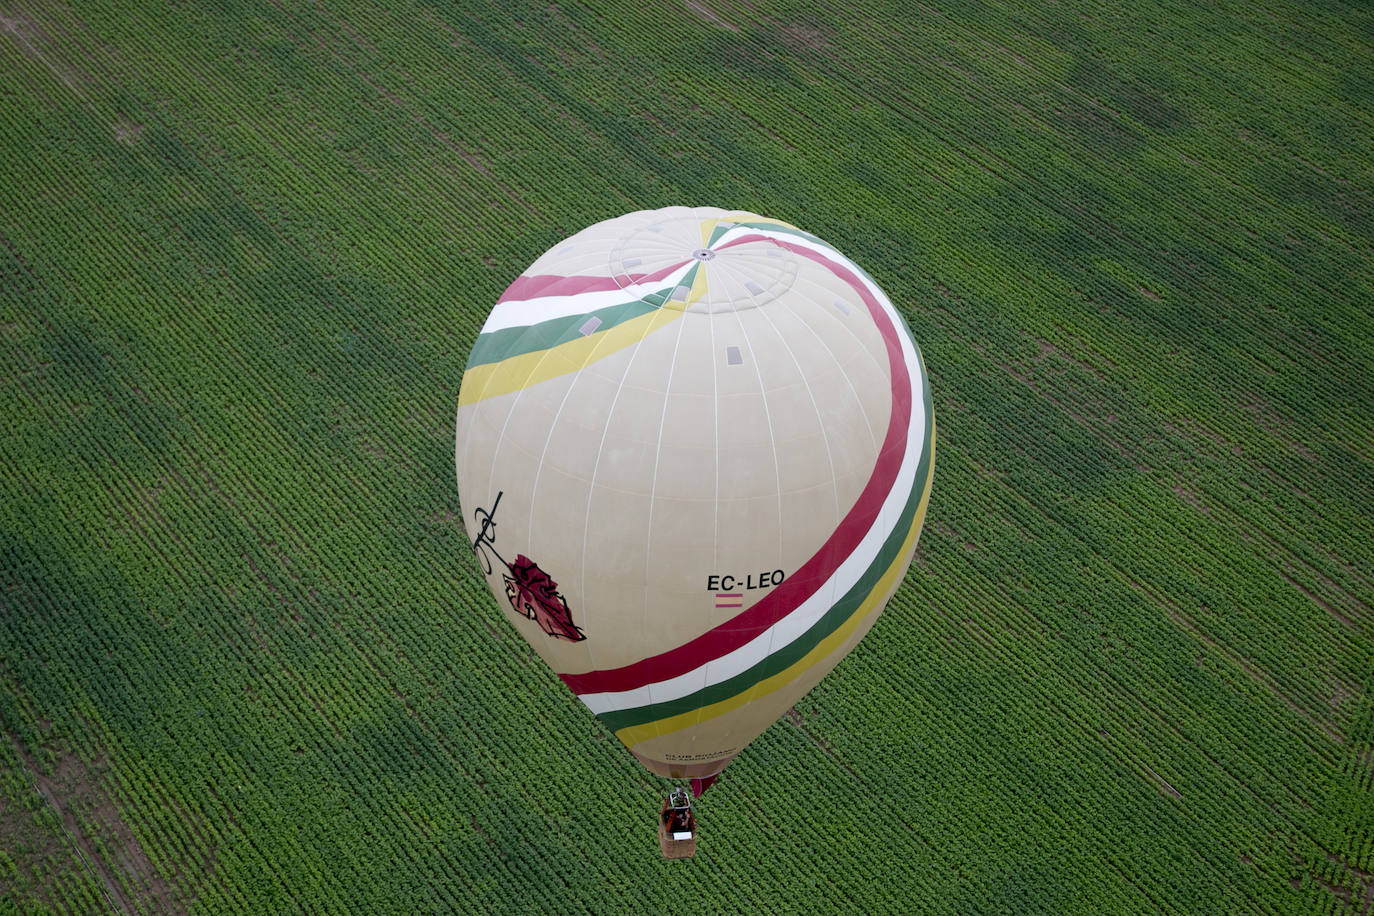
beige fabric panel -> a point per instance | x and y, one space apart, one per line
634 480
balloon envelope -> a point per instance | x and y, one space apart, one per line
694 452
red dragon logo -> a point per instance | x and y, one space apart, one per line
532 593
530 590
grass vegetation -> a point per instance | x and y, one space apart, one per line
247 664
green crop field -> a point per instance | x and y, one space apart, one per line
247 662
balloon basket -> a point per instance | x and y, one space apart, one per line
677 826
675 849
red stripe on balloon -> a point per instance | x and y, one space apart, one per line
799 586
538 286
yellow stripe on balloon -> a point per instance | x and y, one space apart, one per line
527 369
635 734
698 288
752 218
707 227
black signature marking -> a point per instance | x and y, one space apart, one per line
485 544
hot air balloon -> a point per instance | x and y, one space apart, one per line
694 453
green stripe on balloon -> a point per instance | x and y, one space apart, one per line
495 346
787 230
832 620
507 342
